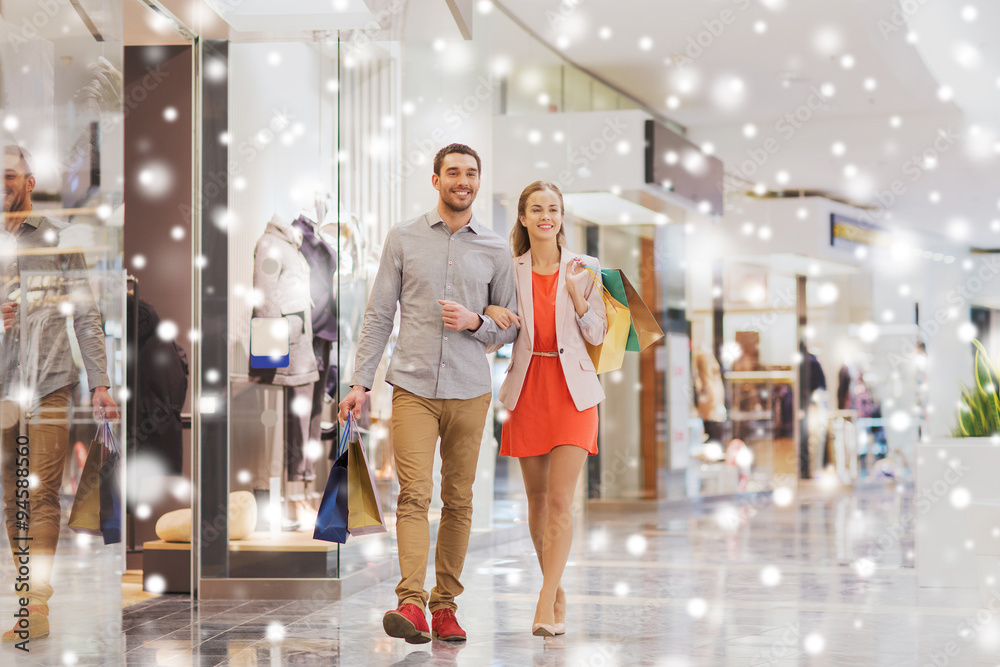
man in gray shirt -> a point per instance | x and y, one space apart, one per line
443 269
36 382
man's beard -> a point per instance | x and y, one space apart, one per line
14 201
457 206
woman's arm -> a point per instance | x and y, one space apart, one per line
593 321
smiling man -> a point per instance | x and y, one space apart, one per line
443 269
40 392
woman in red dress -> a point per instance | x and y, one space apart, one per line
551 391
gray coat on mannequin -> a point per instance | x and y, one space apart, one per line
281 275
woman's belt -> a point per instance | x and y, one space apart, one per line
545 354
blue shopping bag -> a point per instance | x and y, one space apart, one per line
111 489
331 520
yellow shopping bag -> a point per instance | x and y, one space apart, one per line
610 354
364 512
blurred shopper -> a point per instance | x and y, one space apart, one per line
40 392
551 390
443 269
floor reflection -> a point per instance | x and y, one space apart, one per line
677 587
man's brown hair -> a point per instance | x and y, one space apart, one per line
22 154
456 148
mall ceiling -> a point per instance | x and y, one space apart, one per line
904 100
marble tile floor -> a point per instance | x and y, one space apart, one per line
729 583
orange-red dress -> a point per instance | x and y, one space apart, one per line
545 416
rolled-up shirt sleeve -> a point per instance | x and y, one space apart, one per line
503 292
594 323
380 313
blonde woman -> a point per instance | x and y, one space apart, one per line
551 391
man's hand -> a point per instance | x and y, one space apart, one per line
503 317
7 310
104 405
353 402
458 317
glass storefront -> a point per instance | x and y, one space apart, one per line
62 107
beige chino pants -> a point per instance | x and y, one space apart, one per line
416 425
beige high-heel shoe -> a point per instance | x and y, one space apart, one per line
543 630
560 626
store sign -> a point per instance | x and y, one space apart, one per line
847 233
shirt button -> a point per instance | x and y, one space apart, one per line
446 338
449 263
449 286
442 364
560 350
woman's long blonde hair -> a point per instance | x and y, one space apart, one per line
520 242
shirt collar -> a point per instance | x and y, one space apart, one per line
32 221
433 218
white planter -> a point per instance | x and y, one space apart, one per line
983 519
951 474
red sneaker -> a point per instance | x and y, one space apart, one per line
446 627
407 622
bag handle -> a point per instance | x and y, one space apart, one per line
599 283
111 449
346 434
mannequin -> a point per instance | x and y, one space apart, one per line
709 392
322 260
281 275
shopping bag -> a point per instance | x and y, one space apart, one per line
331 519
110 487
644 330
609 354
85 517
364 510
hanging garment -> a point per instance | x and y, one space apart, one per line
281 275
322 260
161 387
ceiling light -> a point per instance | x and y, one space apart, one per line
870 84
604 32
934 196
646 43
895 121
970 13
749 130
760 27
708 148
673 102
828 89
945 93
966 55
847 61
850 171
760 189
782 177
838 148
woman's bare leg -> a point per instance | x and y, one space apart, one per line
535 471
565 464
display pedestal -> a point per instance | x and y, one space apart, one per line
950 472
285 555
